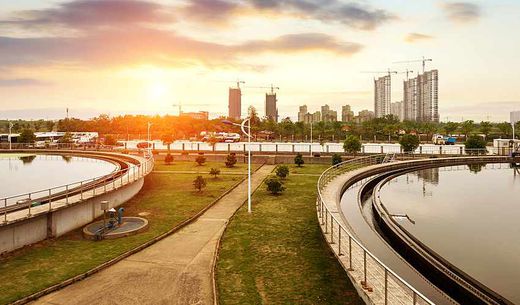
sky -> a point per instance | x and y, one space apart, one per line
144 56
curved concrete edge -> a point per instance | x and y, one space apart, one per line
122 256
365 172
214 273
111 235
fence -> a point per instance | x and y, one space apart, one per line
384 285
272 147
74 192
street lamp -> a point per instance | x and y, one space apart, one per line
148 137
9 137
248 134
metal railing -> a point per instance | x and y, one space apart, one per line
383 284
70 193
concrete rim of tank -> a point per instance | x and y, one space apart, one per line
89 234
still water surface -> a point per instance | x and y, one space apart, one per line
23 174
469 215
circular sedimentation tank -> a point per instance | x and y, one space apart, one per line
129 226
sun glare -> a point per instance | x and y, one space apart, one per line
157 91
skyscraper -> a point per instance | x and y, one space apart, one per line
428 96
410 99
270 106
346 113
421 97
396 109
382 96
301 113
235 103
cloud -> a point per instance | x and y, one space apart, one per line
302 42
17 82
210 11
415 37
462 12
139 45
93 13
350 14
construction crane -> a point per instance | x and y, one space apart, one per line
423 60
389 72
180 106
407 72
272 87
238 82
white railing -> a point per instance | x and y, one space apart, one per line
52 198
383 284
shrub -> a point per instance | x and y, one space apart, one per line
274 186
110 140
298 160
231 160
168 159
214 172
282 171
199 183
475 145
409 142
352 144
200 160
336 159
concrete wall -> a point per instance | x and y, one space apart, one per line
61 221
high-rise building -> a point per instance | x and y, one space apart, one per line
396 109
312 117
328 115
364 115
347 114
382 96
410 99
301 113
428 96
235 103
270 106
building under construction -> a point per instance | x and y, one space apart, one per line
235 103
271 110
421 97
382 95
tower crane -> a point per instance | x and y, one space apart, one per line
407 72
180 106
423 60
272 87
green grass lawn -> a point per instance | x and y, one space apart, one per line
168 198
192 166
277 255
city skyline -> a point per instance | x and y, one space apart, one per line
168 55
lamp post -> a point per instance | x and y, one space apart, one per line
248 134
10 129
148 137
310 148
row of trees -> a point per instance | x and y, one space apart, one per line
170 128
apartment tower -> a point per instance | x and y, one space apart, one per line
235 103
382 96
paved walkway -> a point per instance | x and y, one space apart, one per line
176 270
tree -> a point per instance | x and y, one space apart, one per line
168 159
485 128
231 160
282 171
467 127
167 139
214 172
110 140
352 144
199 183
505 129
200 160
274 186
336 159
409 142
450 127
67 138
475 145
298 160
27 136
